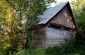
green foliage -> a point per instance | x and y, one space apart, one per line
16 19
38 51
79 13
54 51
70 48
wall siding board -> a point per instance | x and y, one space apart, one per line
63 18
50 36
56 36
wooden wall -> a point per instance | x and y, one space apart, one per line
63 18
39 37
49 36
56 37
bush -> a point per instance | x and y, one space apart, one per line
37 51
70 48
55 51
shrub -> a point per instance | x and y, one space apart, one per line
37 51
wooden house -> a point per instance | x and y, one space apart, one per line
57 26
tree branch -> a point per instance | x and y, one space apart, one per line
11 4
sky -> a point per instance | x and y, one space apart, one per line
58 1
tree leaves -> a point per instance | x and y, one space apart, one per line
79 13
17 18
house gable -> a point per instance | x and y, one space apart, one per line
63 18
49 13
61 15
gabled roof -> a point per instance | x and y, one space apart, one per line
48 14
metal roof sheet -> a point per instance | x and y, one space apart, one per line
48 14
